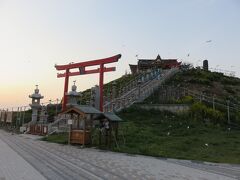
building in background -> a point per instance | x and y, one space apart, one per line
149 64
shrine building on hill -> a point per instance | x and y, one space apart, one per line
149 64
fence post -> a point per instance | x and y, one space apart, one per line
17 117
201 97
228 111
213 101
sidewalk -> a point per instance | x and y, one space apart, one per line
14 167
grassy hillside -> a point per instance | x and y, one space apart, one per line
200 134
177 136
192 84
209 83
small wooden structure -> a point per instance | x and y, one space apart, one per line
108 128
83 120
81 123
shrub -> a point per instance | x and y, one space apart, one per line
202 112
230 81
185 100
229 89
202 81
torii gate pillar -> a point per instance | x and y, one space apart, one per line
101 87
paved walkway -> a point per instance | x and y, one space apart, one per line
62 162
14 167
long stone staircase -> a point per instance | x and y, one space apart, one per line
139 89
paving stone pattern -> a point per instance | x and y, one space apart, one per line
14 167
63 162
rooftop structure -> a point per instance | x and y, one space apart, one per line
149 64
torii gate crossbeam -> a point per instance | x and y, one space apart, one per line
82 71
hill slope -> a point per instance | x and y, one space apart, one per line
177 136
202 133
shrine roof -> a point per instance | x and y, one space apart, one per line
108 115
150 60
112 116
87 109
82 109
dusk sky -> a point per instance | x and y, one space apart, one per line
36 34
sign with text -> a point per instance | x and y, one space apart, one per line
70 122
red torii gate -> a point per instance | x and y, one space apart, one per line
83 71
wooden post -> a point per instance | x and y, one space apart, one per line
90 133
78 121
110 134
84 130
69 131
100 141
106 137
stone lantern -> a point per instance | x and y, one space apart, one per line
73 95
36 97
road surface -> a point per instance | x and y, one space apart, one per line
52 161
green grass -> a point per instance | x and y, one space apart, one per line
162 134
61 138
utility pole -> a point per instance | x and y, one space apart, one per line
57 107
